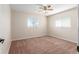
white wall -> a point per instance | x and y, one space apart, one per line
70 34
20 29
5 28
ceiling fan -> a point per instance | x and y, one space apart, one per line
46 7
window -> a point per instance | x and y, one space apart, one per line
58 23
64 22
32 22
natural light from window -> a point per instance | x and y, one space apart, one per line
32 22
64 22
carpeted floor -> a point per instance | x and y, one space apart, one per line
43 45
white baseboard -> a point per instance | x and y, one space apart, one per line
43 35
28 37
63 38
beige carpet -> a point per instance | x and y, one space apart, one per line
43 45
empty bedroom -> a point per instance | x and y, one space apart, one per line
42 29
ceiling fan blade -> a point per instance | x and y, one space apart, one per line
49 9
41 7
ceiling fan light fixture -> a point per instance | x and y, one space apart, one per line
46 8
